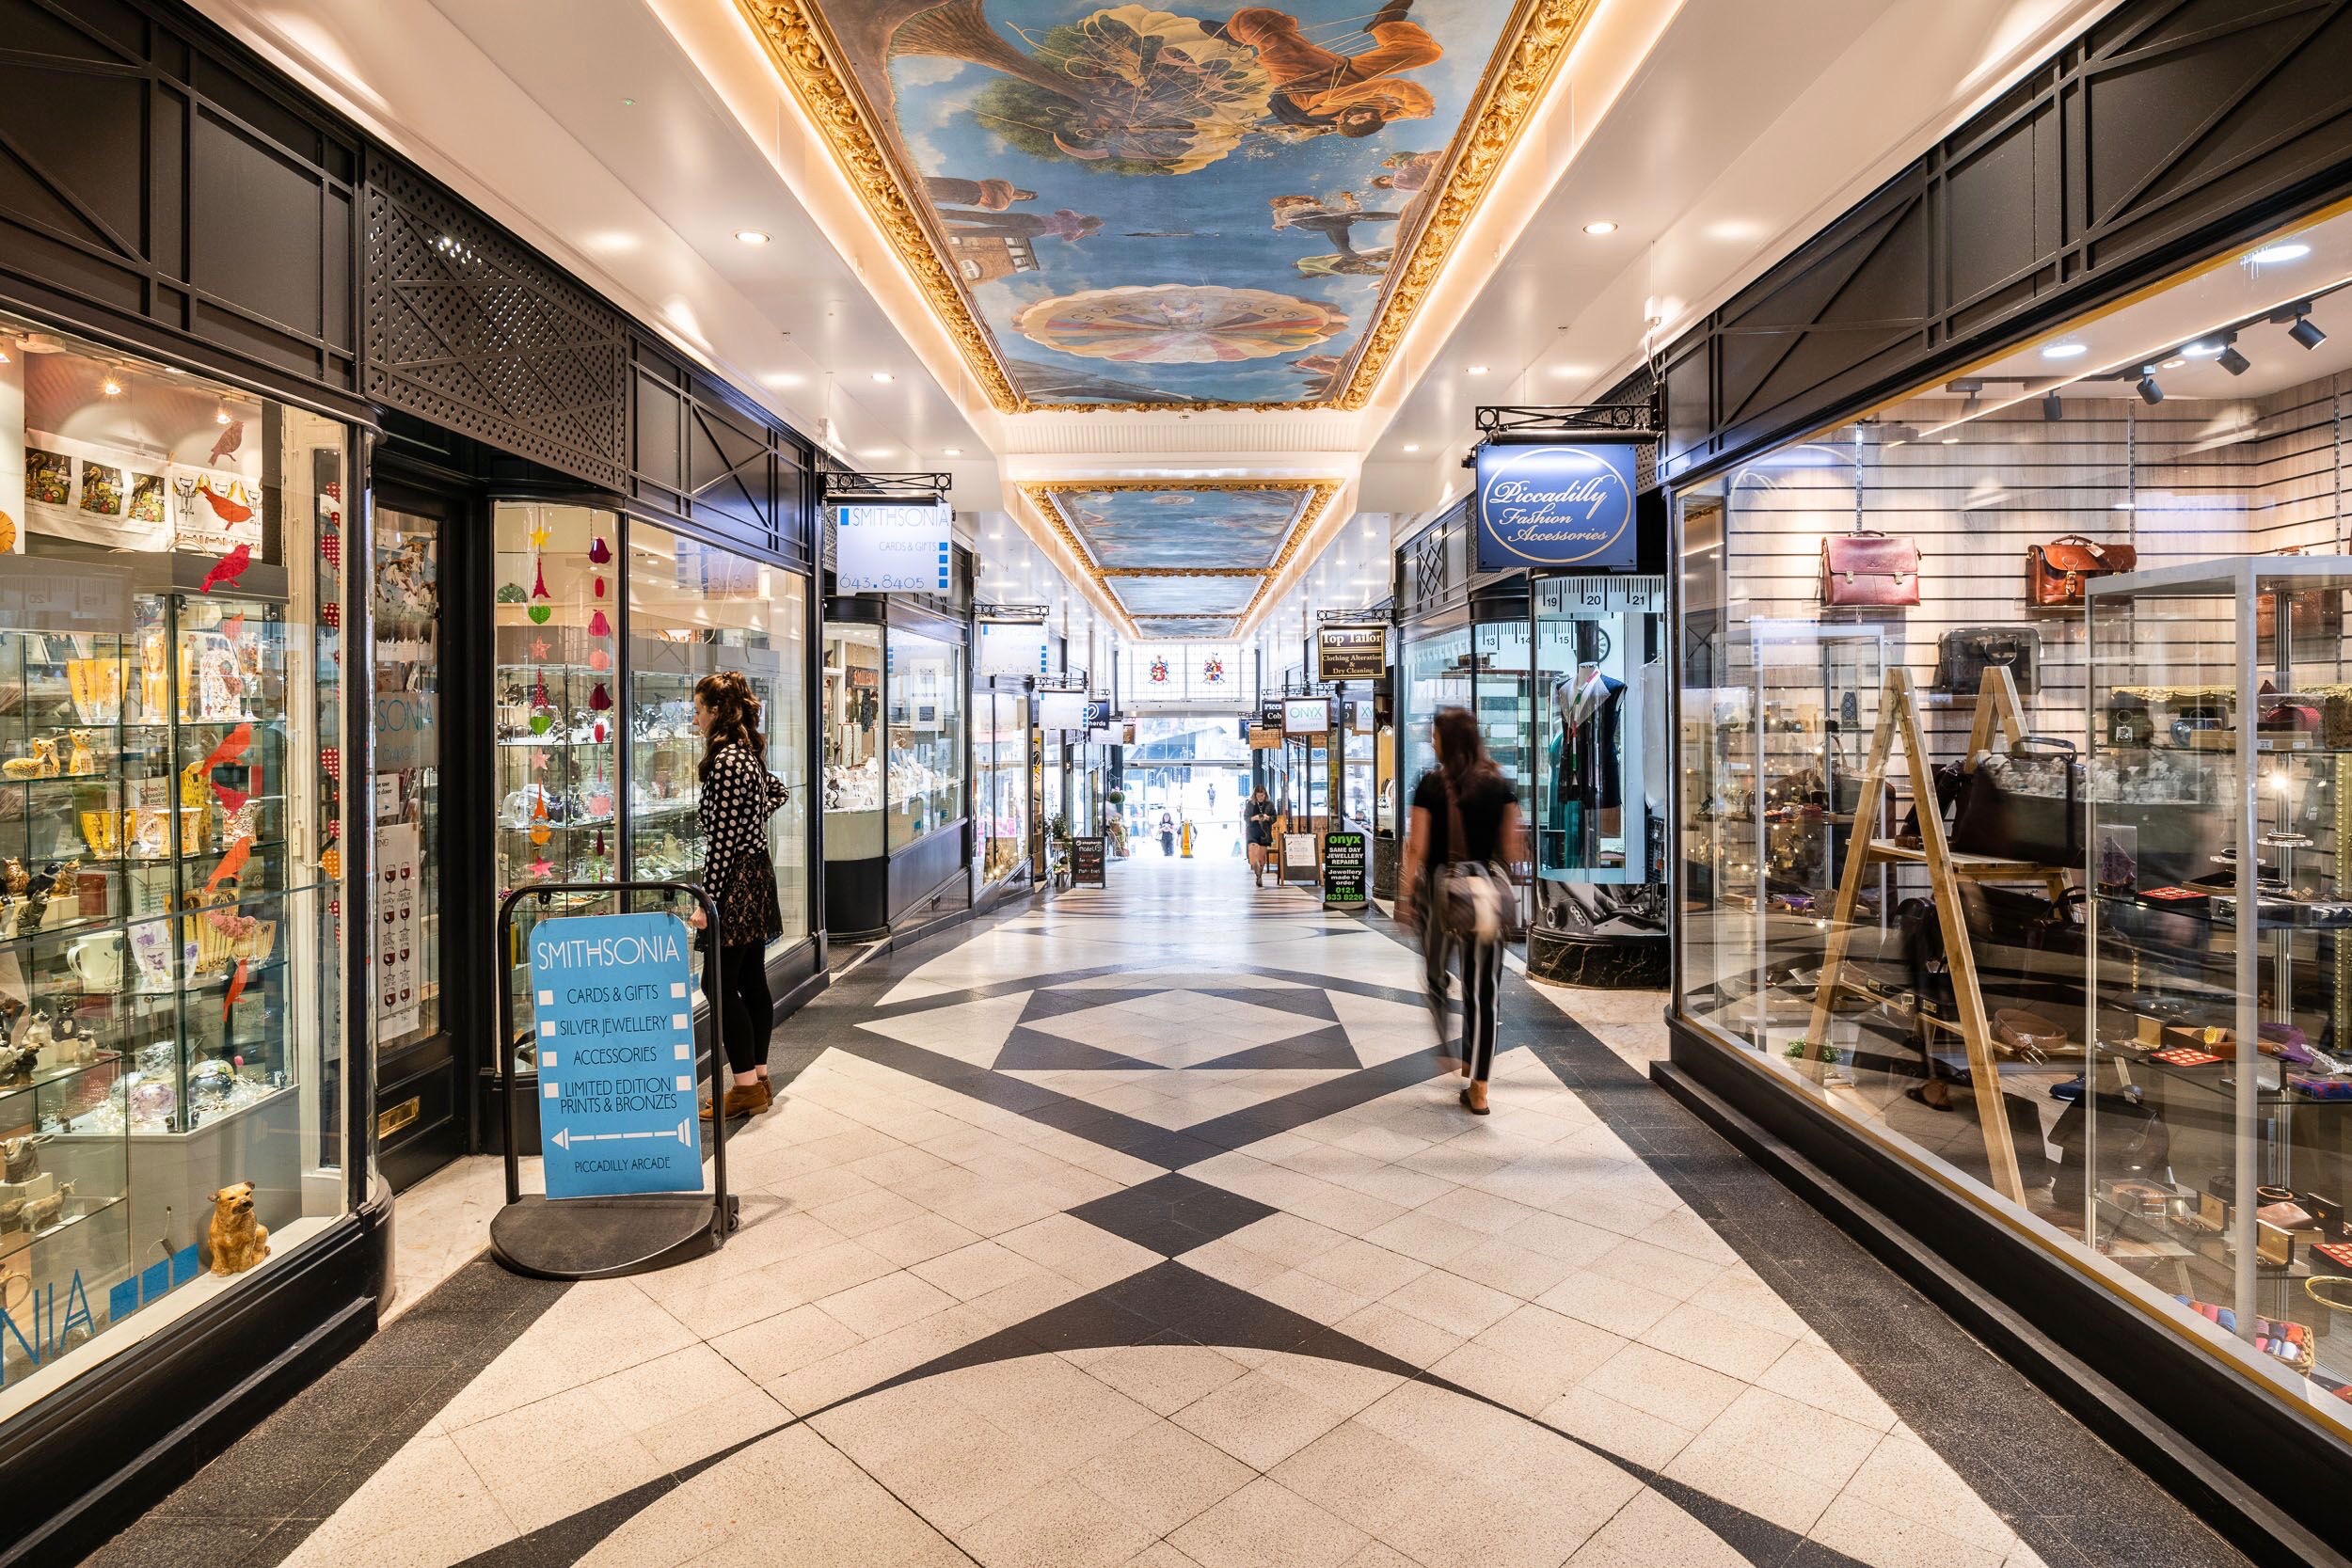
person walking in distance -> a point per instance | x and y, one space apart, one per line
1168 833
1258 819
738 795
1465 822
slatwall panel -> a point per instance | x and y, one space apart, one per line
2202 480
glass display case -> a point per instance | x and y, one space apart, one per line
555 641
171 735
925 768
1001 780
851 720
2215 1154
695 611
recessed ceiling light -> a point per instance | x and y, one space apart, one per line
751 236
1478 370
2273 255
875 451
952 452
884 376
112 388
1600 225
783 378
2065 350
1951 441
1412 446
220 416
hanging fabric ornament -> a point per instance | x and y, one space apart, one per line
600 797
598 625
599 588
331 615
598 734
539 581
539 691
599 660
330 757
542 723
540 608
541 870
541 832
598 551
600 849
600 699
539 536
332 863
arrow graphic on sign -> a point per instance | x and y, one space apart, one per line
566 1137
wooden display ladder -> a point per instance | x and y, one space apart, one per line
1898 719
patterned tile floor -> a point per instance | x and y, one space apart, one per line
1141 1229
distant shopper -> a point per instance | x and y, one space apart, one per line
1258 818
738 795
1465 823
1168 833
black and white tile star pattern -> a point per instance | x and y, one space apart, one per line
1143 1230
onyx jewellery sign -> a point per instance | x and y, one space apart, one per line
1351 652
1556 505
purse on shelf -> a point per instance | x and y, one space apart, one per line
1962 655
2025 804
2055 572
1872 570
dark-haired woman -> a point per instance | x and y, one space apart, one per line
738 795
1465 817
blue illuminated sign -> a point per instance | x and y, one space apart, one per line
1556 506
615 1043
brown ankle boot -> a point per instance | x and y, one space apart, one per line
744 1099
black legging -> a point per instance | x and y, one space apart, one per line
749 1009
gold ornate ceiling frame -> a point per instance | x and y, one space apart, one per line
1045 496
1533 44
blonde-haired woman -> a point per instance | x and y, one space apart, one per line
738 795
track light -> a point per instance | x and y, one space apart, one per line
2149 391
2053 406
2306 331
2231 360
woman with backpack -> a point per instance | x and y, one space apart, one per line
1465 827
738 795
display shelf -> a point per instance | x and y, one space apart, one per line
43 1078
84 1210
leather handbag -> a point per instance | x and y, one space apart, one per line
2026 805
2055 572
1962 657
1872 570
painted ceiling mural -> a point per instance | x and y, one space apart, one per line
1121 205
1123 526
1183 559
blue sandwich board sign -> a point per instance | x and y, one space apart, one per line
1552 506
614 1041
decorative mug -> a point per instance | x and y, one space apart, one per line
97 962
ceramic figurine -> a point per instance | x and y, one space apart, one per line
238 1240
22 1156
42 764
80 760
14 879
42 1212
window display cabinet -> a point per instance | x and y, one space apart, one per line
1000 761
1601 782
896 766
171 723
2216 1154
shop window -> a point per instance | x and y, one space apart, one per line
2135 527
172 831
925 772
851 722
697 610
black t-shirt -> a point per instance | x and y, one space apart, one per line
1259 815
1482 805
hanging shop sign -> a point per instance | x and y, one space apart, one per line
1306 715
1270 713
1012 648
1062 710
1086 863
1556 506
614 1011
1351 652
1345 886
885 548
1098 713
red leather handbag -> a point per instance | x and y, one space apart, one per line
1870 569
2055 572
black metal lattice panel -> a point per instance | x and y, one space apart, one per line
2167 133
467 328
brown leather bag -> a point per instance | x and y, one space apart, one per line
1869 569
2055 572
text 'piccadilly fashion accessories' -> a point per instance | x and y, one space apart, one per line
1869 570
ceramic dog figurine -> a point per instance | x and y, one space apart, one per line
239 1242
